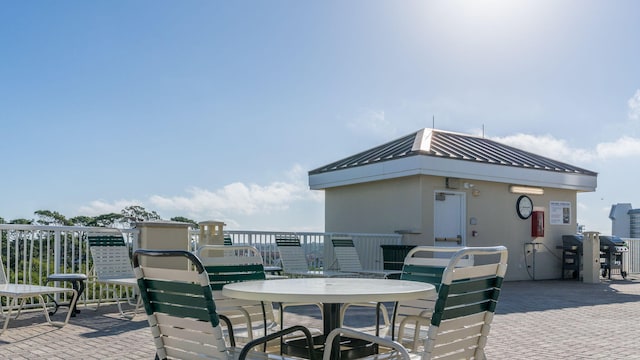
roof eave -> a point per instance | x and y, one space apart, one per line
435 166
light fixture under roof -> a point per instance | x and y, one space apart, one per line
530 190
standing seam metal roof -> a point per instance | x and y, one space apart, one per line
453 146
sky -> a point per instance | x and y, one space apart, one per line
217 110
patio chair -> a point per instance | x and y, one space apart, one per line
234 263
424 264
348 259
17 294
459 325
183 315
112 267
294 260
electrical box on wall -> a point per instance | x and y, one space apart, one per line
537 224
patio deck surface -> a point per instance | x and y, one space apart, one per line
534 320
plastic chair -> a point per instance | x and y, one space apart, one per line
182 313
459 325
348 259
17 294
294 261
112 266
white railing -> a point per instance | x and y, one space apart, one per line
30 253
631 259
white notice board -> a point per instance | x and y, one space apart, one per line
559 212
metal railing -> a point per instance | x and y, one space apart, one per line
30 253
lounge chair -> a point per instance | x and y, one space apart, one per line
17 295
112 267
182 313
294 260
459 325
348 259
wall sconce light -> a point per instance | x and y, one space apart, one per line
517 189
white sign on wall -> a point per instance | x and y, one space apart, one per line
559 212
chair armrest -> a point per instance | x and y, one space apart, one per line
402 352
251 344
419 322
232 339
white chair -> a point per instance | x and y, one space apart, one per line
182 314
17 295
234 263
294 260
348 259
459 324
112 267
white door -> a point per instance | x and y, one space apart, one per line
449 224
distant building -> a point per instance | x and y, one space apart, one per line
625 221
449 189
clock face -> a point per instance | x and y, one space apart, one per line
524 207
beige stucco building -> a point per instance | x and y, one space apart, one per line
449 189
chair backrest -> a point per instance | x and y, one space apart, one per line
180 308
346 254
110 255
292 254
466 304
227 264
427 263
238 263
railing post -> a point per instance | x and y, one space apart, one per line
56 251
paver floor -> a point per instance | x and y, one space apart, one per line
534 320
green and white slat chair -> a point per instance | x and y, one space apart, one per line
294 261
241 263
183 317
112 267
348 259
227 264
423 264
459 325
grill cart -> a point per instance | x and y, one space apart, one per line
571 256
611 251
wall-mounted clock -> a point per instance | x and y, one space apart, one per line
524 207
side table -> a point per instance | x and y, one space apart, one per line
77 283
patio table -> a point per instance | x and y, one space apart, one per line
332 293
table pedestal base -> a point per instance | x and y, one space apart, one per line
349 348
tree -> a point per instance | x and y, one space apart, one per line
185 220
48 217
21 221
136 213
83 220
107 220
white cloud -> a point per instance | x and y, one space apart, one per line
373 122
239 198
634 106
558 149
99 207
234 199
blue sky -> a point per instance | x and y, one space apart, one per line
217 110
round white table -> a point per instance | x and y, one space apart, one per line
331 292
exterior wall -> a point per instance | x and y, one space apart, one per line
407 204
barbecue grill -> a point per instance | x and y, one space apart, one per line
571 256
611 251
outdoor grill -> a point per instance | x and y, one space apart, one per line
611 256
611 250
571 256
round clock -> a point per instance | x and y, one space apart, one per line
524 207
